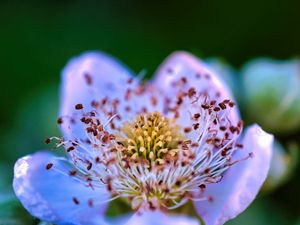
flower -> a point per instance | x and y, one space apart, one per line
272 92
156 145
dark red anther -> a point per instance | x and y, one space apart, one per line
78 106
202 186
88 79
226 135
109 184
195 145
47 141
187 129
215 121
196 126
178 183
115 103
179 100
223 153
90 130
82 119
144 109
105 138
232 129
239 145
49 166
207 170
216 109
72 173
89 166
104 101
191 92
75 200
184 80
94 104
196 116
205 106
97 159
222 105
222 128
231 104
71 148
213 102
59 120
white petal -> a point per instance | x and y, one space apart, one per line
197 74
94 76
159 218
241 183
48 194
108 77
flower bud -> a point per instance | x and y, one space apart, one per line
283 165
272 92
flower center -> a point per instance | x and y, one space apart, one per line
151 138
151 160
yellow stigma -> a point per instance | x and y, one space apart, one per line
150 137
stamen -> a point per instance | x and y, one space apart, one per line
157 160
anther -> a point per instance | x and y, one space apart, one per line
88 79
47 140
75 200
49 166
78 106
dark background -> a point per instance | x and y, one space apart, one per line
38 37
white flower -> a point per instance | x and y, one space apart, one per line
156 145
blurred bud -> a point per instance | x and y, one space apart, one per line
282 166
272 92
226 74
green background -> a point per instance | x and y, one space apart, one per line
38 37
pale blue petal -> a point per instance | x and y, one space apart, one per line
241 183
159 218
108 77
183 64
48 194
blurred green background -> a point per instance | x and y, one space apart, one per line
38 37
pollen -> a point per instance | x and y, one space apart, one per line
150 137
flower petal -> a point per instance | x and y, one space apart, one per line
159 218
90 76
182 65
97 78
52 195
241 183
